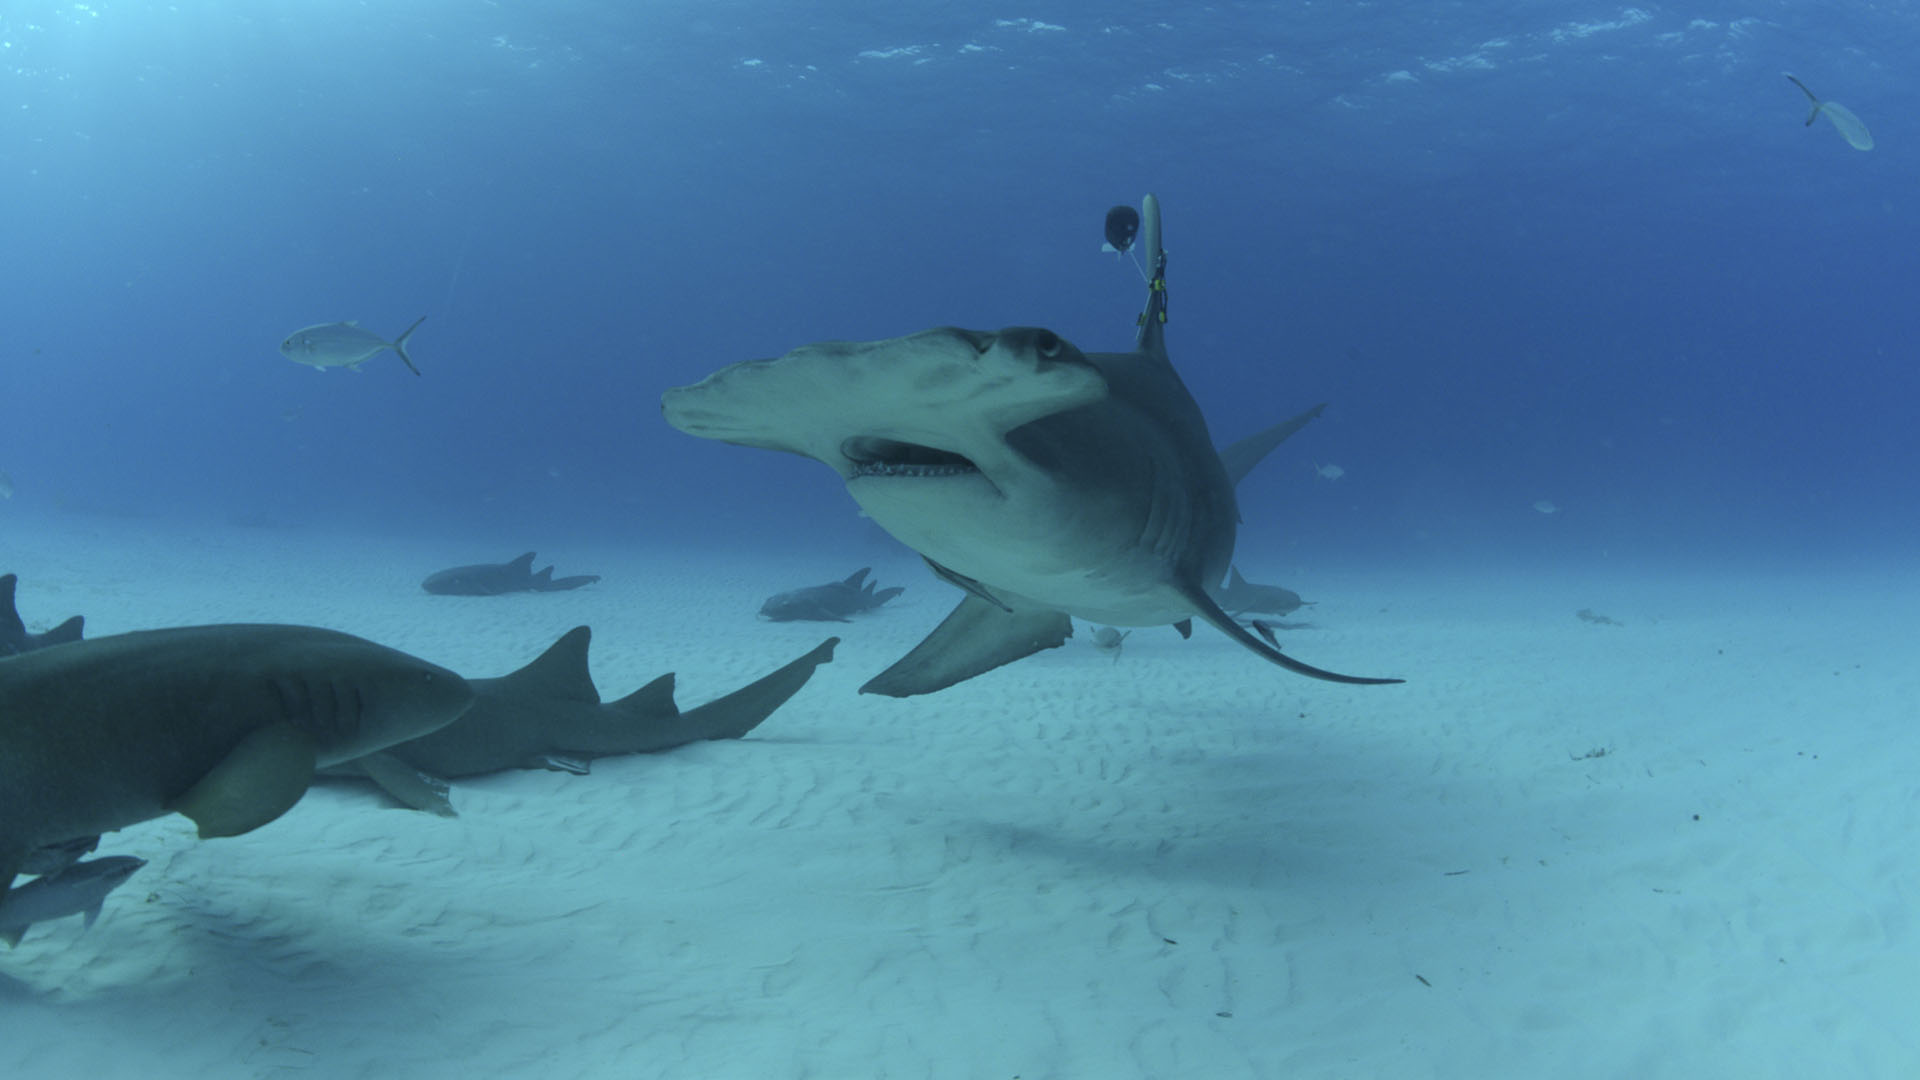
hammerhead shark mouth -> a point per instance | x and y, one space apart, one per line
872 456
1046 482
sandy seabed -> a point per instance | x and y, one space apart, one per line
1684 846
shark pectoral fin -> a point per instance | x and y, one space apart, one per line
1211 612
962 581
1241 457
258 781
407 785
9 869
977 637
734 715
1185 626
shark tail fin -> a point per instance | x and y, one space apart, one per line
887 594
1814 113
400 344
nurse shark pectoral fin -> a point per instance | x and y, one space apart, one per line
258 781
976 637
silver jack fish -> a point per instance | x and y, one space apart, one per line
344 344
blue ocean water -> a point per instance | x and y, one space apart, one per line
1576 253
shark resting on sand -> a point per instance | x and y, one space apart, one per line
549 715
831 602
497 579
1044 481
223 724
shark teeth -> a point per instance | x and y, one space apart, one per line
881 468
874 456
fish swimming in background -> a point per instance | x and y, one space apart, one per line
79 889
344 344
831 602
1108 640
1848 125
6 486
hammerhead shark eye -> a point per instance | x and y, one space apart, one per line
1048 344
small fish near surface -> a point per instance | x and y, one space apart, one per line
549 715
1850 127
14 637
495 579
832 602
344 344
79 889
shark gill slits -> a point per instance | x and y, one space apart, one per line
874 456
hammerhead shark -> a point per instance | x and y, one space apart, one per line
548 715
493 579
1044 481
14 637
224 724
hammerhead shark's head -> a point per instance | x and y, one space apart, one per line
14 637
495 579
1045 481
548 714
224 724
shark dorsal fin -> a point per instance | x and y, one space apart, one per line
560 672
1234 580
653 701
524 563
854 579
10 613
